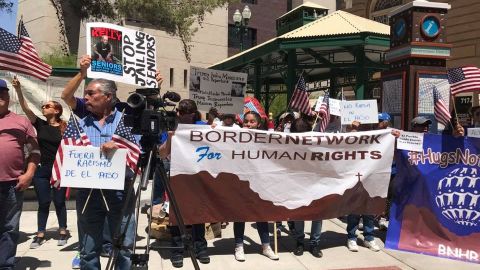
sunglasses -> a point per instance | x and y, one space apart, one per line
47 106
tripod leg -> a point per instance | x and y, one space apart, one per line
187 239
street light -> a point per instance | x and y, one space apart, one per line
241 22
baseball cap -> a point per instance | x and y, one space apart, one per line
420 120
384 117
3 85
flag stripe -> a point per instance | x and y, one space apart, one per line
464 79
300 98
440 108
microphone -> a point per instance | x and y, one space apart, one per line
171 96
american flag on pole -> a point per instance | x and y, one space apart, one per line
18 54
324 112
464 79
73 135
300 98
440 109
123 138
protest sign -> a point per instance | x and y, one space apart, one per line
227 174
335 106
473 132
121 54
223 90
435 208
412 141
363 111
87 167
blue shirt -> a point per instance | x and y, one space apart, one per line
98 134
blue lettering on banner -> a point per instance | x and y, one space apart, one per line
107 175
85 174
204 152
102 66
70 173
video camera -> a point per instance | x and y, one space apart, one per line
146 117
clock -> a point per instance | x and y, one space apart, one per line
430 26
399 29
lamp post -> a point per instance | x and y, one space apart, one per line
241 22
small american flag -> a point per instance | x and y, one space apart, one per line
324 112
251 107
18 54
464 79
300 98
123 138
440 109
73 135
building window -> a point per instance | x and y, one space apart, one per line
185 78
171 77
253 2
386 4
249 39
348 4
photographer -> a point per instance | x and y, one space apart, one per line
187 113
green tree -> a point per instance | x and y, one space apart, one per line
6 5
176 17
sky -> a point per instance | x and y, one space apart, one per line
7 20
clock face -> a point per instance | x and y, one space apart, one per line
430 26
399 29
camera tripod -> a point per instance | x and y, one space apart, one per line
140 261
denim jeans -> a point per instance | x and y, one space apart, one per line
158 188
91 226
198 236
239 232
11 203
368 226
315 232
43 189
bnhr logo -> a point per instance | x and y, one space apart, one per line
463 254
457 197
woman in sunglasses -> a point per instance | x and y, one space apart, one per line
49 132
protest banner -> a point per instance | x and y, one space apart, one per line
86 167
223 90
435 208
363 111
227 174
121 54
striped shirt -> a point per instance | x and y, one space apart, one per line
97 133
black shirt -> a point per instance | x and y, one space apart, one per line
49 138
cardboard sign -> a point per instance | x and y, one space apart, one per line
473 132
363 111
87 167
121 54
411 141
335 106
223 90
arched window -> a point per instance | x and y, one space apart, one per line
379 9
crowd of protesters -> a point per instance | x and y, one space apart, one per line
100 114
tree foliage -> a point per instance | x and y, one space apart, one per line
6 5
176 17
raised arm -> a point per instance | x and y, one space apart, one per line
69 90
23 103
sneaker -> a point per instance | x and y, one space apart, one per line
267 251
203 257
76 261
383 224
37 242
177 260
372 245
316 251
62 240
352 245
239 253
299 249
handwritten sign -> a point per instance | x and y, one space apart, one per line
87 167
363 111
223 90
473 132
121 54
335 106
411 141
